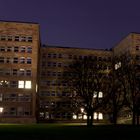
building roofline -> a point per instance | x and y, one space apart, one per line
18 21
124 38
53 46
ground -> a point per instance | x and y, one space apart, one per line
68 132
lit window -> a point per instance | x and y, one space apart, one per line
20 84
95 116
100 116
1 109
74 116
100 94
22 60
27 84
85 117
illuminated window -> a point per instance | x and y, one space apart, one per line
100 116
1 109
95 116
28 84
74 116
100 94
20 84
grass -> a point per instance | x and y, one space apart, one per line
67 132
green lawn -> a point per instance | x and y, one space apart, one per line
68 132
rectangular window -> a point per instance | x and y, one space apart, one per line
14 71
28 72
23 38
8 60
15 60
2 49
1 59
29 60
29 49
22 60
28 84
29 38
20 84
9 49
9 37
1 96
16 49
14 84
3 37
21 72
16 38
22 49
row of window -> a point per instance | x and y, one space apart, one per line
13 97
16 72
22 49
53 83
76 57
15 111
54 93
16 84
16 38
21 60
54 104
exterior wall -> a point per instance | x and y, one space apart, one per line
19 44
54 100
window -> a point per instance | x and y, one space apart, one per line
20 84
23 38
21 72
49 55
29 60
1 109
14 84
137 48
2 49
1 59
59 64
7 71
28 72
54 55
9 38
29 49
9 49
8 60
22 49
16 38
14 71
29 39
60 56
27 84
3 37
16 49
22 60
15 60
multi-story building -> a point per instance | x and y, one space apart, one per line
19 47
54 99
32 89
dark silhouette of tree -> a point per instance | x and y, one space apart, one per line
86 80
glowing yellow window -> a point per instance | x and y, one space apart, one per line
28 84
20 84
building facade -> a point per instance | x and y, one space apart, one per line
54 99
31 84
19 47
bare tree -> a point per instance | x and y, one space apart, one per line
85 81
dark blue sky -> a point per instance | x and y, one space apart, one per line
77 23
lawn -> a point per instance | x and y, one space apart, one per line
68 132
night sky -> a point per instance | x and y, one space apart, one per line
77 23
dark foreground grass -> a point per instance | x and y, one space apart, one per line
68 132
